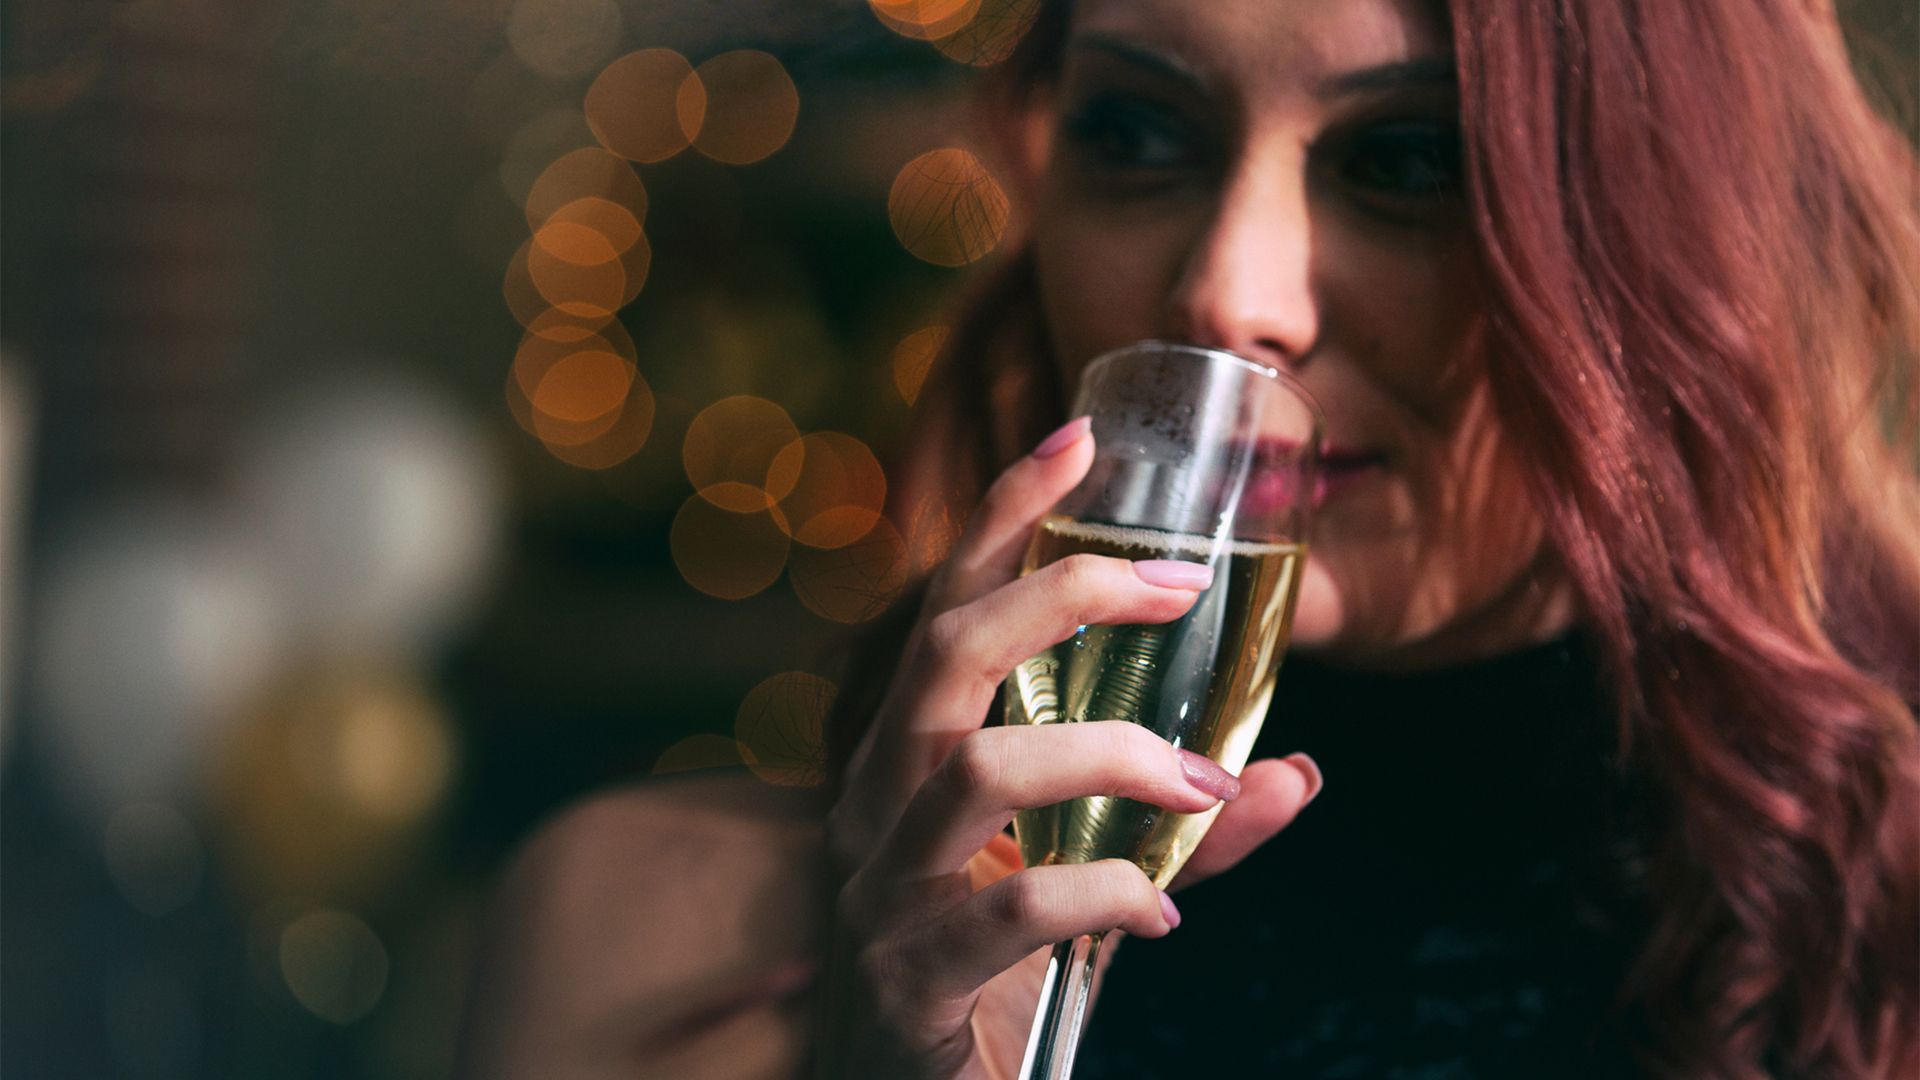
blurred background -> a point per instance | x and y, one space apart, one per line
414 416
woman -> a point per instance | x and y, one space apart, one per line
1610 306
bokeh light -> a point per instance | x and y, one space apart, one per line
913 359
854 582
595 450
334 964
586 290
591 221
582 389
647 105
993 32
946 209
330 778
554 335
726 554
558 133
730 449
703 751
154 856
563 37
924 20
586 173
781 728
750 108
838 488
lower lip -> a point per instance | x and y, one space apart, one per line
1335 479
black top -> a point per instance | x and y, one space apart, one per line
1454 904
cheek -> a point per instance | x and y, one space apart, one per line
1103 282
1470 538
1406 309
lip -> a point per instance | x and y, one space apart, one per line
1342 469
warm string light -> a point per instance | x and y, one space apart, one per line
587 255
781 728
913 359
976 32
946 209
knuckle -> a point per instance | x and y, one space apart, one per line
877 965
975 763
1128 886
947 635
1134 749
1023 899
1084 573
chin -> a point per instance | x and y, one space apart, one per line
1318 615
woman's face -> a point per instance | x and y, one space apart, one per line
1282 178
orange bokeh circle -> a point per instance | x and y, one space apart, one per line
838 488
588 172
991 35
946 209
751 106
925 20
854 582
730 448
640 104
724 554
622 438
913 359
781 728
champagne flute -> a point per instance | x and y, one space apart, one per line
1200 455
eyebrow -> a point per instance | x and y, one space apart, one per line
1169 66
1430 71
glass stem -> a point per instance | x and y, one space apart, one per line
1063 1007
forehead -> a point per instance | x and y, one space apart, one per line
1271 42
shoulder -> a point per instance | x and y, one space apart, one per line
650 916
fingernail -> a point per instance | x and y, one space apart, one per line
1205 774
1312 768
1167 910
1070 432
1174 573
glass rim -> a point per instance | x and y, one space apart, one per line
1284 378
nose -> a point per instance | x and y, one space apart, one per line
1248 284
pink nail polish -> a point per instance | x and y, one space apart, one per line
1070 432
1314 779
1174 573
1208 776
1171 913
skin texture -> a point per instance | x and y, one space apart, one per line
1236 184
1213 177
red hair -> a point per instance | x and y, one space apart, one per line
1701 256
1701 249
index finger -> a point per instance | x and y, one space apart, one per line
988 553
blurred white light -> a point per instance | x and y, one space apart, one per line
154 856
379 500
154 622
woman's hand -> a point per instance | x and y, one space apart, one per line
934 977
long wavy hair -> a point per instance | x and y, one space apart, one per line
1700 246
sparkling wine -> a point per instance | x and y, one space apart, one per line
1201 682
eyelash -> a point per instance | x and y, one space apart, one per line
1405 161
1401 165
1110 131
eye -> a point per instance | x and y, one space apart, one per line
1405 162
1125 133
